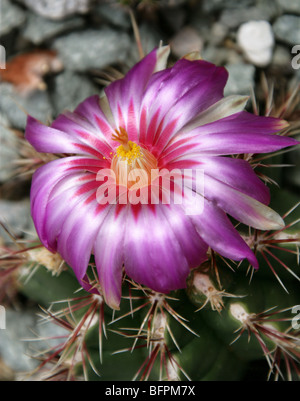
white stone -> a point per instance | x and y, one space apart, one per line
256 39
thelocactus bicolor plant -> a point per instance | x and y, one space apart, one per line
154 119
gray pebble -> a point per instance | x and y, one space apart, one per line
8 149
16 348
70 90
113 14
57 9
290 6
13 348
241 79
16 107
217 5
16 217
234 18
187 40
282 58
11 15
221 55
219 32
39 29
81 51
287 29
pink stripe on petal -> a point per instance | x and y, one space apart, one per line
87 150
51 140
165 132
132 123
148 138
82 131
96 143
189 88
143 126
45 180
177 151
87 187
130 89
97 113
122 117
104 127
88 164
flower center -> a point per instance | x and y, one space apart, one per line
132 164
129 152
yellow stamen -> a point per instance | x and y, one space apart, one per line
129 153
134 156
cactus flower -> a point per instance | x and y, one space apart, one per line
154 118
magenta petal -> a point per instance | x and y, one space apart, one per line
217 231
179 115
187 89
70 219
52 179
97 113
204 85
242 207
192 245
109 255
79 231
242 122
125 95
50 140
43 182
157 260
87 137
239 133
238 174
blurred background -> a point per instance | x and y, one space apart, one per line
58 52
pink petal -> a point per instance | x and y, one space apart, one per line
109 255
239 133
51 140
124 95
160 260
217 231
236 173
242 207
178 95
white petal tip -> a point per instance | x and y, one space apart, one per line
275 221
